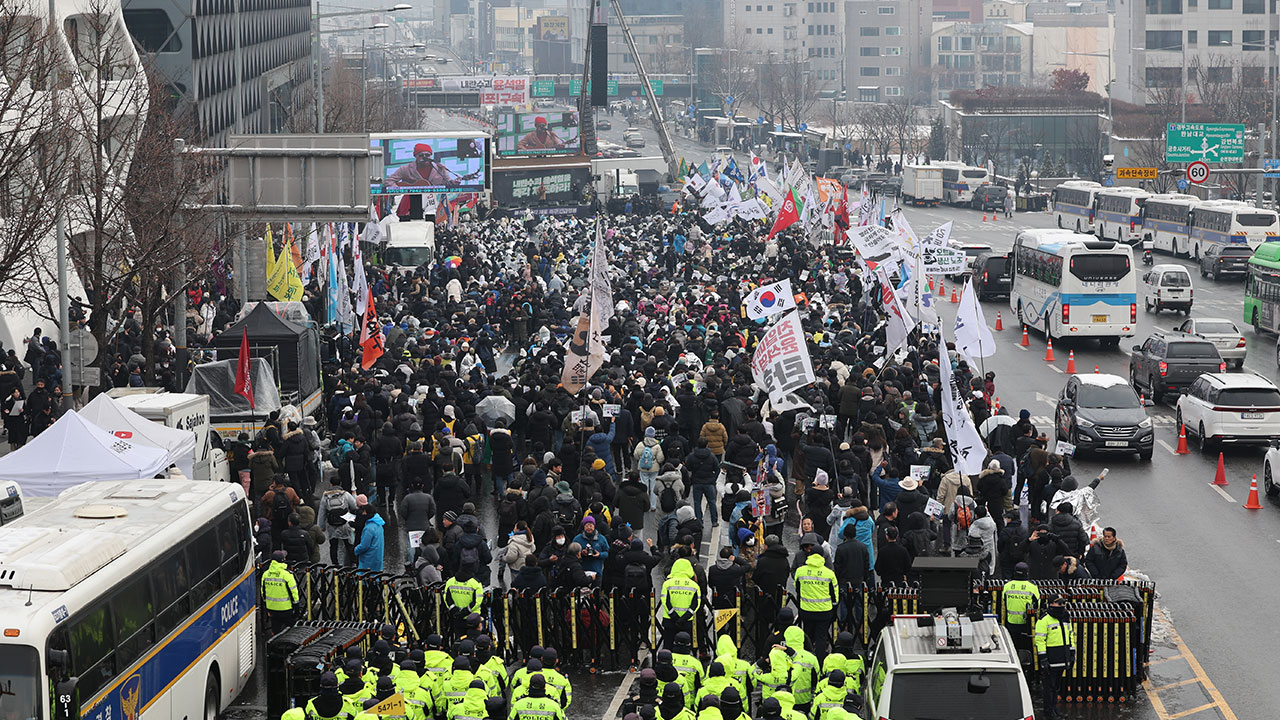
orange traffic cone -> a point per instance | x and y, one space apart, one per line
1071 362
1182 447
954 299
930 284
1096 371
984 216
1026 341
999 325
1048 353
1252 503
997 401
995 216
1220 477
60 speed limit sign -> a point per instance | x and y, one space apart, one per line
1197 172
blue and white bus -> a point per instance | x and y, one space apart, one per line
128 600
1231 221
1166 222
1067 284
1117 214
1073 204
960 180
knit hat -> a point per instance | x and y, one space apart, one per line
362 500
450 515
650 432
588 520
597 464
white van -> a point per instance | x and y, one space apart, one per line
409 244
946 666
1167 287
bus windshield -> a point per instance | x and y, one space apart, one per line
973 173
19 683
1099 268
1256 219
407 256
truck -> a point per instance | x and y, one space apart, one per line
410 244
181 411
606 179
922 184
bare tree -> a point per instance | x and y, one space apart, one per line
792 90
729 74
352 103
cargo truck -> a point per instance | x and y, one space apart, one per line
181 411
922 184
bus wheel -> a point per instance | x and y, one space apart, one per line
212 694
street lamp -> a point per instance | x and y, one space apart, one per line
1110 117
315 46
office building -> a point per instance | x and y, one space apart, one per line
887 54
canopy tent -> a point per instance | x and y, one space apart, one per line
218 381
122 422
72 451
296 348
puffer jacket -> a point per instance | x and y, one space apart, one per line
1071 530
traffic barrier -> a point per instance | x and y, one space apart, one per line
1220 477
295 656
1252 502
1048 353
1071 362
1025 341
1182 443
999 325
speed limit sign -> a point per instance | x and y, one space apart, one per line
1197 172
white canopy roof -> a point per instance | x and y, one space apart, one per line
120 421
74 450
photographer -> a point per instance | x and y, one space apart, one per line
595 548
1040 549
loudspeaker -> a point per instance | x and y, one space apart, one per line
599 38
945 582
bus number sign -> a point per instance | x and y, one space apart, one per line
1198 172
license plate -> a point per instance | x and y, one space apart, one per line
1117 443
1253 416
1100 318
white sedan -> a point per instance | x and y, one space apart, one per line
1222 333
1271 471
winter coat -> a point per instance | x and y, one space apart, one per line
911 501
519 545
702 466
529 579
296 454
773 567
417 511
502 448
369 551
466 541
297 544
1071 530
658 457
343 531
307 518
601 546
893 562
742 451
992 488
600 444
1106 564
632 502
951 481
263 464
716 435
984 528
853 563
451 493
919 537
1040 554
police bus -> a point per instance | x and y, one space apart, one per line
1118 214
1067 284
128 600
1073 204
960 180
1166 222
1231 221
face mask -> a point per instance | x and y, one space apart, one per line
559 541
1058 613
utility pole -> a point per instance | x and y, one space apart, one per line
60 227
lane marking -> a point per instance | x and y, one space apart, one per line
1192 711
1223 493
1185 652
1023 348
1178 684
1056 369
1167 446
616 703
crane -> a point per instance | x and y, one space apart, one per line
664 140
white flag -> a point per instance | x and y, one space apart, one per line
967 450
360 285
769 188
898 323
770 299
430 203
313 253
920 303
973 337
586 349
373 229
781 364
716 215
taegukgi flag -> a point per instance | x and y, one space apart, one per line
770 299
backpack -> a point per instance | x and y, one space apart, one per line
335 506
456 457
338 454
635 577
964 517
469 557
565 517
667 529
281 509
648 461
667 498
508 513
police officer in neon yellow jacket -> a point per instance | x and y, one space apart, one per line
829 695
681 600
772 672
328 705
804 668
735 667
818 591
279 592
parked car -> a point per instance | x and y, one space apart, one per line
1170 362
1100 413
1224 259
1241 408
1223 333
891 187
1167 287
992 275
989 197
603 124
1271 471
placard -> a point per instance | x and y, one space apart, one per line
828 422
415 538
611 410
933 508
1065 449
920 473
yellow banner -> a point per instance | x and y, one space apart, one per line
724 616
1136 173
283 282
271 252
393 705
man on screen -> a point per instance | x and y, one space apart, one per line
424 171
541 138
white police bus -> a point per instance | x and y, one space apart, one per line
1166 222
128 600
1066 284
1231 221
1118 214
1073 204
960 180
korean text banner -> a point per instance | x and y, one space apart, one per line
493 89
781 361
432 164
546 133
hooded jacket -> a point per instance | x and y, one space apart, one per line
716 435
772 569
369 551
632 502
737 669
1071 530
804 665
658 457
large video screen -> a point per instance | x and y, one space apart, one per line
546 133
432 164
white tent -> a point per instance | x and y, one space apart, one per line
122 422
72 451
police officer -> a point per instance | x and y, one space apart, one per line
354 687
1055 639
279 592
1019 598
328 705
818 590
472 705
681 600
829 695
489 667
672 706
536 705
687 664
462 596
558 686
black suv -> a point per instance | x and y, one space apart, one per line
1170 362
992 275
1100 413
989 197
1224 259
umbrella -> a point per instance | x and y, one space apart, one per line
994 422
452 261
494 407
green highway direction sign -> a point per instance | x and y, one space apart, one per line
1210 142
544 88
575 87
